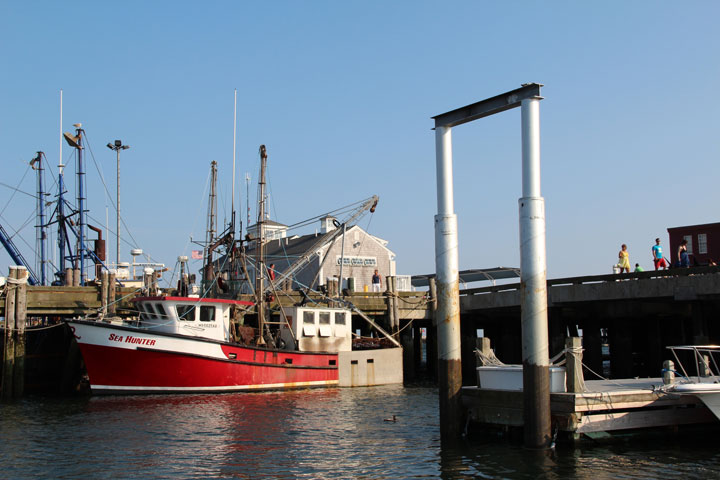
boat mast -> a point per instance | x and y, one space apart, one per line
210 232
41 235
81 203
260 250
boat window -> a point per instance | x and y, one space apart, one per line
207 313
160 309
150 310
186 312
141 310
339 318
309 317
324 318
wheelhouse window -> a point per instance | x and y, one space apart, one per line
186 312
309 317
324 318
207 313
160 309
339 318
143 312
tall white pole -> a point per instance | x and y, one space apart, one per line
448 297
60 164
232 202
533 285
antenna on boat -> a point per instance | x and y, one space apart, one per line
247 195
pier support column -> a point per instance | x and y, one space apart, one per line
592 343
448 291
408 353
620 342
533 285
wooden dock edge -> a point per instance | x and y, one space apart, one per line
581 413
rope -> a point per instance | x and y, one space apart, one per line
34 329
19 281
490 359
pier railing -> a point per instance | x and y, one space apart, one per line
589 279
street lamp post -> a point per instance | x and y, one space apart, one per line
117 147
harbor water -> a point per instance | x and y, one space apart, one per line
388 432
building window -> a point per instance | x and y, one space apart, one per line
702 243
689 244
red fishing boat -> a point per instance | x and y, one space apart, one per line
185 344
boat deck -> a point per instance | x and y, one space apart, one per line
605 406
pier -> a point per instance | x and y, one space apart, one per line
635 316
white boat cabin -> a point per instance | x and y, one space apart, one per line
317 329
197 317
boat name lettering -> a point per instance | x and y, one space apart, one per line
131 339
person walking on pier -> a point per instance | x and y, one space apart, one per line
624 259
657 254
683 258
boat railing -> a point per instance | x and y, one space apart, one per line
704 358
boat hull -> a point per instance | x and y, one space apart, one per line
132 360
708 393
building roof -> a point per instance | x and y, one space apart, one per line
284 251
473 275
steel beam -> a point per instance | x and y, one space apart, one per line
488 107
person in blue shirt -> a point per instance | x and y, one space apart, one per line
657 255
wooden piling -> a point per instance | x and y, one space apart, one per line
104 293
112 306
9 345
406 340
432 291
392 303
574 381
417 348
20 335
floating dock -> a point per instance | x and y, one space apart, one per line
605 406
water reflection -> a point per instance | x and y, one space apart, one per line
324 433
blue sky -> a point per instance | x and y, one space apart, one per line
342 94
